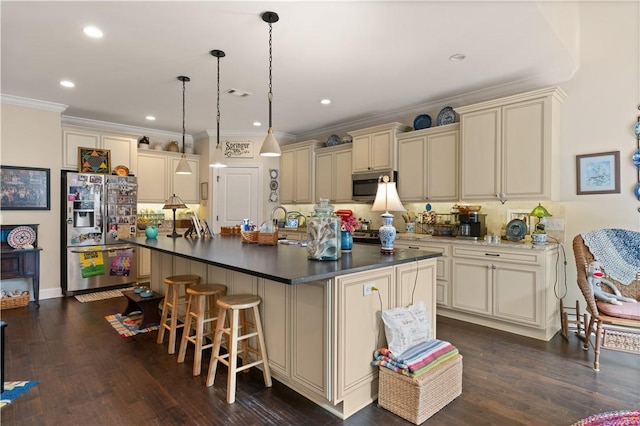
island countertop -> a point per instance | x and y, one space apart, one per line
282 263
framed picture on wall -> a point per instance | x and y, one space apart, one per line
598 173
92 160
25 188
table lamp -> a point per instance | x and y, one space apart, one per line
539 236
386 200
174 202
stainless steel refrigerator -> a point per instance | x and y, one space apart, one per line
99 211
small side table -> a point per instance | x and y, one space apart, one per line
148 306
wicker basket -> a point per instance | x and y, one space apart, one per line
249 236
418 399
268 238
14 302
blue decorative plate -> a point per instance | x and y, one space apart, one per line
636 191
333 140
636 158
637 129
446 116
423 121
516 230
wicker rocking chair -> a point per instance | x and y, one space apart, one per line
615 327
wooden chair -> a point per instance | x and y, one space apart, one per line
611 331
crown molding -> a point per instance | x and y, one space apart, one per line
124 128
32 103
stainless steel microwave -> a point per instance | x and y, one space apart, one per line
365 185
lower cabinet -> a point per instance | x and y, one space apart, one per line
144 264
443 266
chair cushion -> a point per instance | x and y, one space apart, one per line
626 310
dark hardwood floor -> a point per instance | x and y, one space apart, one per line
89 375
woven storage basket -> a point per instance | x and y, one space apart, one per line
249 236
268 238
14 302
418 399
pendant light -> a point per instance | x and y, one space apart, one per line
270 147
183 166
217 159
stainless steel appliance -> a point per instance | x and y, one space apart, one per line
365 185
472 225
99 210
370 236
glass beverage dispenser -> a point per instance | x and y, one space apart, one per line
323 233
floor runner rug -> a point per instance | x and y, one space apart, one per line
101 295
12 390
128 326
612 418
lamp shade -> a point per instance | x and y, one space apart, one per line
270 147
217 158
174 202
387 198
539 212
183 166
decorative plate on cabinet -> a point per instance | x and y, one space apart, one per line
423 121
21 236
516 230
121 170
333 140
446 116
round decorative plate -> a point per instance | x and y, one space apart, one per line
636 191
273 173
121 171
21 236
516 230
636 129
446 116
423 121
636 158
346 139
333 140
273 185
273 197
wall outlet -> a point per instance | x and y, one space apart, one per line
368 289
552 224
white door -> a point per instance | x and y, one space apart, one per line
237 195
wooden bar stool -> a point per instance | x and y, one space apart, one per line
172 301
235 306
196 308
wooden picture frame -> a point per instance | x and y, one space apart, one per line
598 173
93 160
25 188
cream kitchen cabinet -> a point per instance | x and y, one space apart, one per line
333 173
123 149
428 164
157 179
510 147
374 148
144 264
297 170
507 289
443 265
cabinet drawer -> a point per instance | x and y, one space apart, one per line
531 257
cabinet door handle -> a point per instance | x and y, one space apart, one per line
492 254
413 247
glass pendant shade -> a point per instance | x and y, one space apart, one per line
540 212
183 166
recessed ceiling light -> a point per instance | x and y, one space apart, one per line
257 123
67 83
150 117
325 101
93 32
457 57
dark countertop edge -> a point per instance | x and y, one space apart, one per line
322 276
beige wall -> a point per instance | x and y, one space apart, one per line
32 138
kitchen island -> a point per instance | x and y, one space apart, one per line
321 326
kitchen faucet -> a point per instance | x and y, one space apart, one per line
273 212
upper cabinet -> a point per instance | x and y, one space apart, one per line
508 147
428 164
123 149
333 173
297 170
157 178
374 148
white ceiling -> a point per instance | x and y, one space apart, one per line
369 58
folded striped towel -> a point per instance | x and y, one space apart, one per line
416 360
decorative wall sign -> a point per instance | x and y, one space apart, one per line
598 173
25 188
91 160
238 149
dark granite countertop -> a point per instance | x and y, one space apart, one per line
283 263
